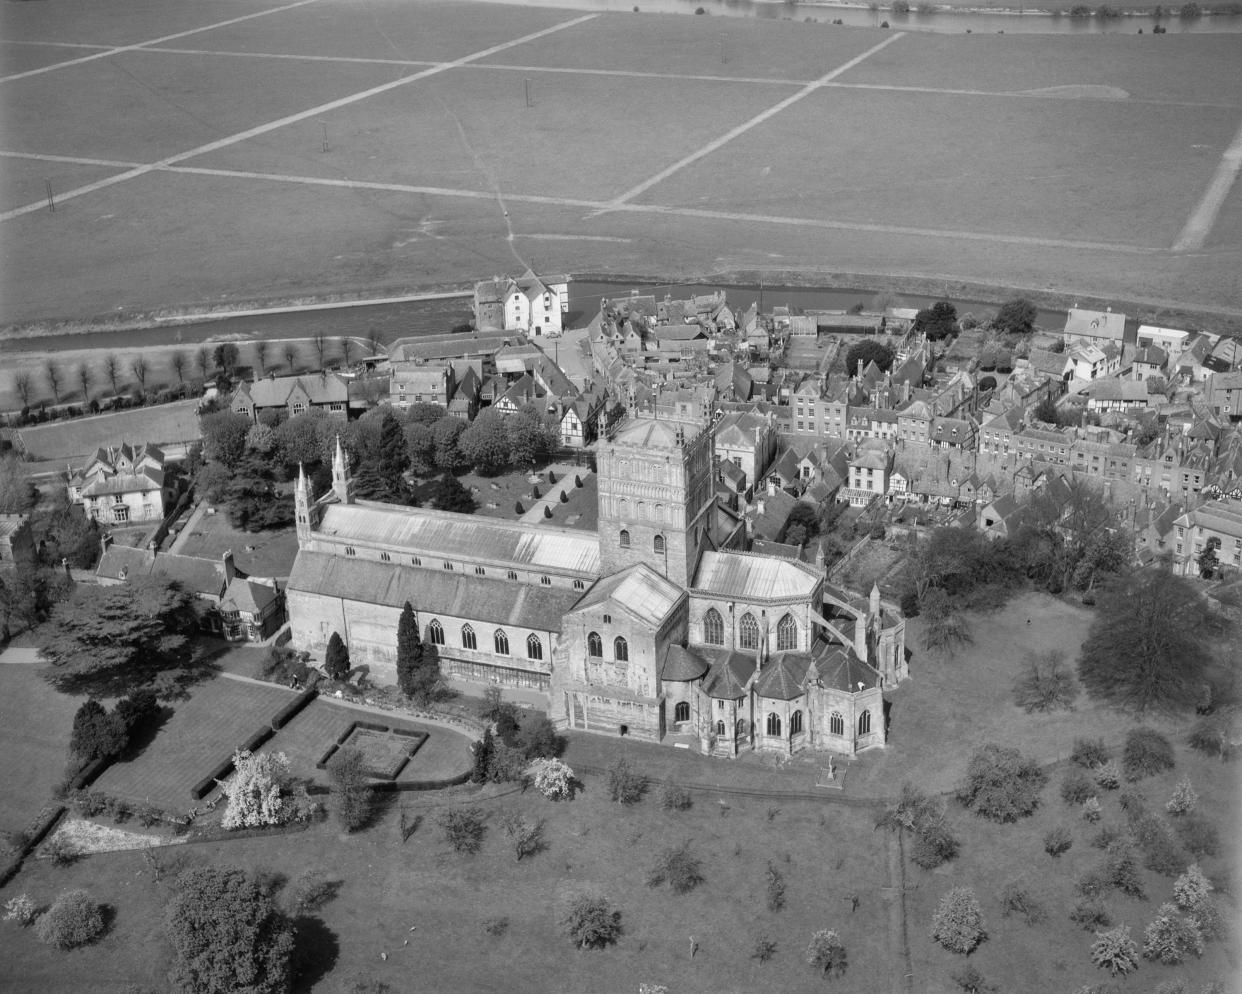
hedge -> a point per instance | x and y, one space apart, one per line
257 739
281 718
208 783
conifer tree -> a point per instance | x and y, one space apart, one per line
336 662
409 651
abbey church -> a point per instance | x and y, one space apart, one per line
659 625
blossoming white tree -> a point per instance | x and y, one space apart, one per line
256 790
552 778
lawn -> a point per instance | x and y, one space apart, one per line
165 423
35 722
265 553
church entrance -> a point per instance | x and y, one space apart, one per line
625 729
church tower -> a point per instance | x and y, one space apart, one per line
655 496
301 507
342 482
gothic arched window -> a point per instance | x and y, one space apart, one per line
595 645
468 641
748 632
682 711
864 723
774 723
786 633
620 650
713 627
435 632
795 723
624 539
534 648
502 642
836 724
720 729
659 545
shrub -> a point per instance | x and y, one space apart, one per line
678 867
1094 883
826 952
1115 951
507 764
1207 917
148 815
924 816
1122 872
20 909
1108 836
1017 900
525 837
958 922
1147 753
256 790
765 948
1077 787
309 892
675 798
462 828
1210 736
62 852
92 803
96 733
1001 784
933 845
776 888
1046 683
1191 888
1091 913
1056 841
1108 777
336 660
1184 798
496 927
971 981
1161 855
591 922
552 778
73 920
1091 810
625 784
1170 937
1198 836
901 6
351 789
1089 753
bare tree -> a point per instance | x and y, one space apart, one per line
202 360
22 383
347 347
290 354
375 343
52 372
321 346
112 370
140 369
260 355
84 381
178 361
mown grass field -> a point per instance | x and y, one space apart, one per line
165 423
916 161
35 722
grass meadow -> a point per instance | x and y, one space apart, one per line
165 423
35 722
923 135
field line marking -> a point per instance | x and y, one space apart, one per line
262 129
291 57
1023 95
74 159
58 44
1203 217
741 129
154 41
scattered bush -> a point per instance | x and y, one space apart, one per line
678 867
62 852
1122 872
1147 753
73 920
462 828
92 803
1108 836
924 816
1184 798
1191 888
1001 784
1198 835
1207 917
525 837
552 778
1092 914
1057 840
826 952
1089 753
1091 810
675 798
1077 787
1115 951
20 909
1210 736
765 949
591 922
971 981
1108 776
776 888
933 845
1016 900
1170 937
1094 883
1162 855
352 798
256 791
1046 684
958 922
625 784
309 892
496 927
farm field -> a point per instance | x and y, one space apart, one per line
191 168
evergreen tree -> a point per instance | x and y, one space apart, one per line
394 458
336 663
450 495
483 750
409 651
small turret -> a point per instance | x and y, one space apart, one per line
874 605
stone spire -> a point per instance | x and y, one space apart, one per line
342 483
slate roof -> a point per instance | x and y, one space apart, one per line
840 669
729 673
453 536
435 592
1095 324
782 676
247 596
194 574
125 483
274 392
638 590
745 577
654 433
682 664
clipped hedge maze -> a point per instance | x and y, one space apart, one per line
386 756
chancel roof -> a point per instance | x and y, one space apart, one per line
782 676
744 577
682 664
639 590
729 673
457 536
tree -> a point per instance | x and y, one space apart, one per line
52 372
530 441
393 457
552 778
450 495
1183 800
290 354
261 347
224 436
347 348
1115 951
261 440
485 444
336 660
944 627
867 352
84 378
420 445
937 322
1192 888
112 370
299 440
826 952
178 362
257 790
625 784
1046 411
96 733
463 828
18 493
113 638
375 342
227 935
351 788
1207 562
1170 937
1015 317
1001 784
1150 644
590 921
482 751
1047 683
678 867
320 343
447 433
958 922
22 383
140 369
410 652
226 355
526 837
73 920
